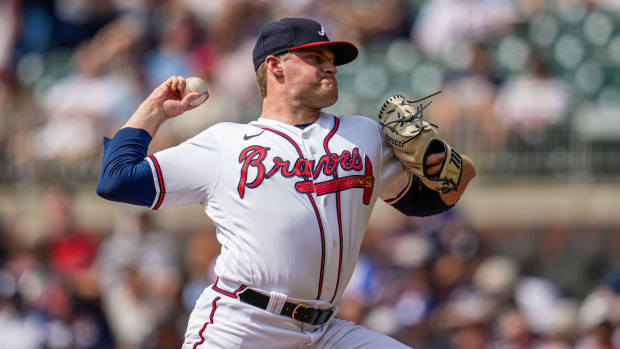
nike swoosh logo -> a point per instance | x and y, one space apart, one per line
246 137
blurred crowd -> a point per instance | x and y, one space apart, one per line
430 282
518 76
528 87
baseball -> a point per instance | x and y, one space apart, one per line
195 84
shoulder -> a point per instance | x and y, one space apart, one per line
223 130
360 124
358 120
230 127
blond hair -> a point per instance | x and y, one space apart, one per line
261 74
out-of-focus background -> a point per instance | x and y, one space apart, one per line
530 257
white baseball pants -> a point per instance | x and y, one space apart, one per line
221 320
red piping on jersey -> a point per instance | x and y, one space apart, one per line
316 210
202 338
160 180
233 295
338 212
402 192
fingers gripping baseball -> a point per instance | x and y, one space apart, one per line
175 97
168 100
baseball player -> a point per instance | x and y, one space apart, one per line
290 194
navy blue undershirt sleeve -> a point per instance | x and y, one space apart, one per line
421 201
125 175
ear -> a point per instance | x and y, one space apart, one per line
274 65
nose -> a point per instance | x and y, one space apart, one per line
330 68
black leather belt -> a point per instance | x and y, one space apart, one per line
299 312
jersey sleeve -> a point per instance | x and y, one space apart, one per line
187 173
395 180
125 175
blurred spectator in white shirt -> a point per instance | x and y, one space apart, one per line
533 100
96 97
442 23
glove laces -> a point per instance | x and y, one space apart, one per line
417 117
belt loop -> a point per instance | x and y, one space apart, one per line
276 302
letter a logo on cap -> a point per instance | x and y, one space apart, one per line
289 34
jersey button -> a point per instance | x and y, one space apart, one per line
330 286
306 135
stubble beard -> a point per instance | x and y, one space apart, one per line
317 95
325 95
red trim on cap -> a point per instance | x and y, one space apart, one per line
319 43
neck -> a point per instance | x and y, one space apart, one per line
290 112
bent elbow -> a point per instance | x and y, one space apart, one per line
127 187
106 190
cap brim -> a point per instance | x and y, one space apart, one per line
344 51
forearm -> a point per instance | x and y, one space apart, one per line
125 174
420 201
469 172
147 117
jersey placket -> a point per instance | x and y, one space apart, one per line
313 146
320 213
338 239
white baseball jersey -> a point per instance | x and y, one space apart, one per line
291 205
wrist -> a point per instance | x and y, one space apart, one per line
147 117
151 112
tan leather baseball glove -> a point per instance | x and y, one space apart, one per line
414 139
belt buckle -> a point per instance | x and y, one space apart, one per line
302 306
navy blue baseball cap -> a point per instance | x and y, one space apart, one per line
289 34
